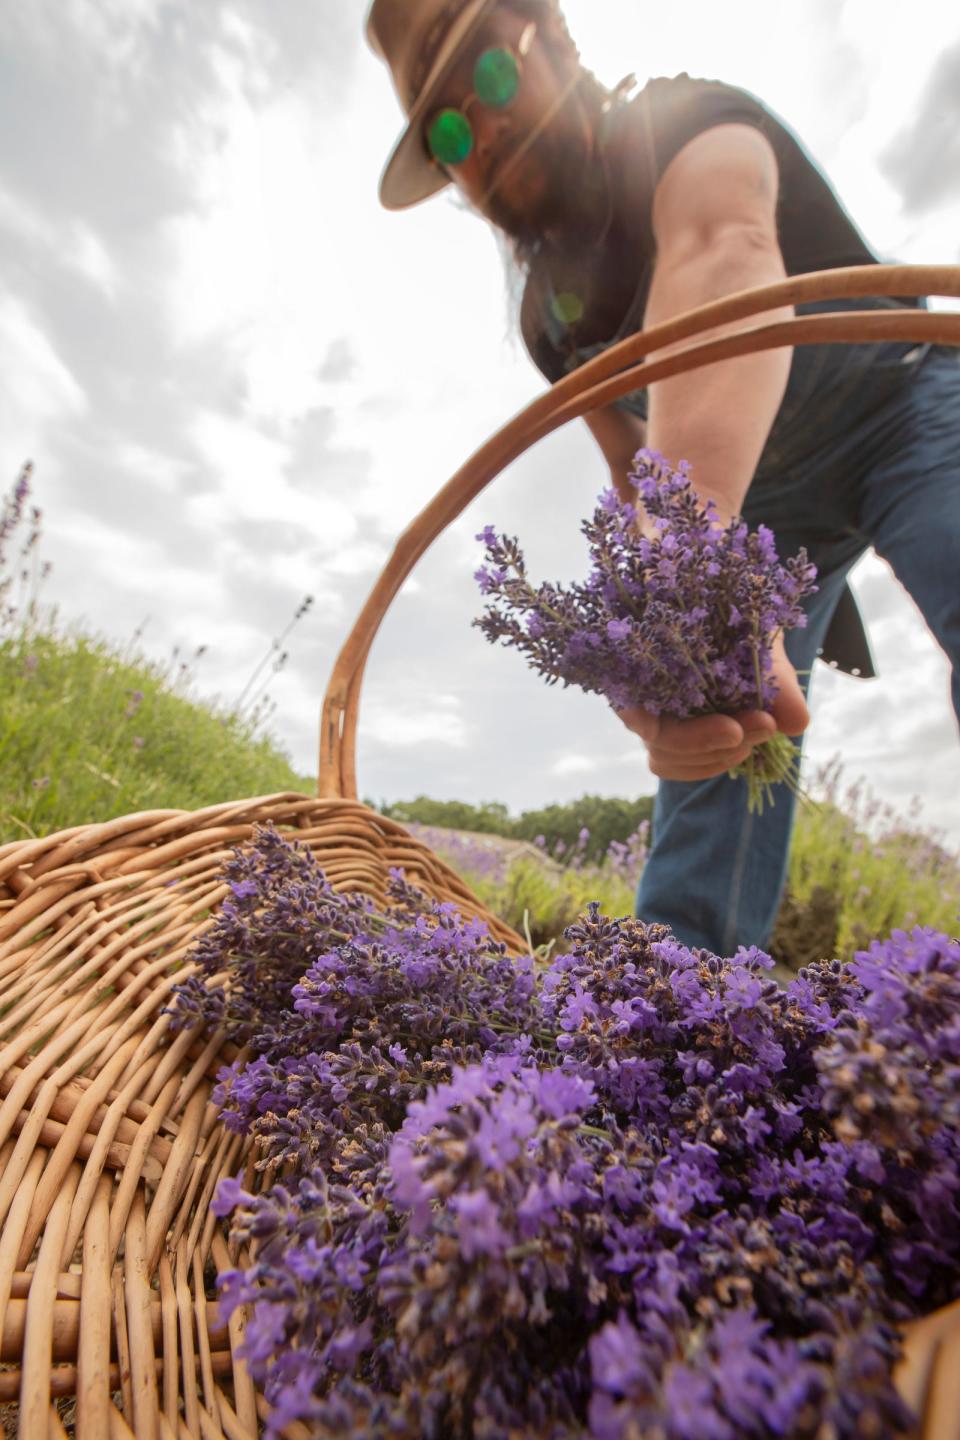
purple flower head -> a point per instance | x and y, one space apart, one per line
641 1189
229 1194
619 1360
559 1093
679 622
244 889
478 1225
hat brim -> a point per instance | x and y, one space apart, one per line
409 175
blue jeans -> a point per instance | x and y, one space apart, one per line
865 451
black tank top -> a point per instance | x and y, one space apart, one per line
814 230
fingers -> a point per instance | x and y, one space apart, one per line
708 738
790 707
706 746
706 768
685 738
699 748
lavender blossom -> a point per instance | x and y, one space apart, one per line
639 1190
679 623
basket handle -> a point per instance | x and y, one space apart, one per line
615 372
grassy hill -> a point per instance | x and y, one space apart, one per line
90 731
87 733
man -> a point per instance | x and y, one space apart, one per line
623 213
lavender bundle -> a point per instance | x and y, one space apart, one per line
678 623
638 1191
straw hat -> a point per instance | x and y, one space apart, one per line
420 41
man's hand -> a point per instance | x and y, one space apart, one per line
709 745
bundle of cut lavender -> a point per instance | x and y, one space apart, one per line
639 1191
681 621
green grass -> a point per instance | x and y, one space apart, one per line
881 871
547 901
78 744
90 731
857 872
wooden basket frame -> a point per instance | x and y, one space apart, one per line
109 1141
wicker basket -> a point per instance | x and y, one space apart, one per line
109 1146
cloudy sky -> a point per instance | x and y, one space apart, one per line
239 379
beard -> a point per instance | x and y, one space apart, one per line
546 189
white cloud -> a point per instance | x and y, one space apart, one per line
575 765
251 468
162 471
402 724
247 462
362 558
111 588
116 31
899 730
38 392
85 251
273 252
74 246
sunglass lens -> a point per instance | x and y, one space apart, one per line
496 78
450 137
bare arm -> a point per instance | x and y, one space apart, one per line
714 220
620 435
714 223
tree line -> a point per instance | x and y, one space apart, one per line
606 819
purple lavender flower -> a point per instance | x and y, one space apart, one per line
681 622
639 1190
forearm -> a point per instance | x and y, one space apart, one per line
620 434
718 417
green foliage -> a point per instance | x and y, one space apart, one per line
88 733
880 872
857 872
490 818
546 899
606 819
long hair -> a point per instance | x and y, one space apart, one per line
518 252
558 43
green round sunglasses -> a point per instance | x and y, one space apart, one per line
496 80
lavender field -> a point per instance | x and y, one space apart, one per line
858 869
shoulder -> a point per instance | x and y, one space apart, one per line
668 113
667 98
729 153
705 152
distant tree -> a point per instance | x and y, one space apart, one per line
489 817
605 818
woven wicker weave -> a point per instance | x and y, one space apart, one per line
109 1146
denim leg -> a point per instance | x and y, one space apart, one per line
911 502
873 458
716 872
